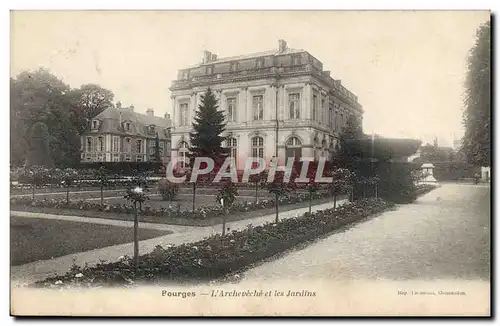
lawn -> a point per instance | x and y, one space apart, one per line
33 239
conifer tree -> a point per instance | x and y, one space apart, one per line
208 125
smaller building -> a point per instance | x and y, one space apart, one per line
122 135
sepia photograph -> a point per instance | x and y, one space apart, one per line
250 163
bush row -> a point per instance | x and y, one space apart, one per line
201 213
218 256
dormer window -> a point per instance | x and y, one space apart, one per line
185 75
127 126
234 66
209 70
151 129
95 124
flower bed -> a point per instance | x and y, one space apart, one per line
217 256
201 213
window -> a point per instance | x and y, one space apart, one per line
128 145
232 144
88 144
258 147
185 75
151 129
209 70
258 107
330 117
293 148
322 110
116 144
259 63
100 141
234 66
296 60
127 126
94 124
231 109
139 146
294 103
183 152
315 107
183 114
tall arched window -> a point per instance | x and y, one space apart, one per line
258 147
324 149
183 151
293 148
232 144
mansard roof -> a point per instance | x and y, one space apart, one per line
113 118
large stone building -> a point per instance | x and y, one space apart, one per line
122 135
287 88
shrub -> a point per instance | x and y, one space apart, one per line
168 190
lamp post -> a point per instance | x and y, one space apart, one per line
137 196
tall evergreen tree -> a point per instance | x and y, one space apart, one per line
477 115
208 125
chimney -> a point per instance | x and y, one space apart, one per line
282 46
167 116
214 57
207 55
131 108
150 112
326 73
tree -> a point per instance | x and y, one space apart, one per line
226 196
101 175
206 139
208 125
88 101
477 116
68 178
37 96
156 156
39 151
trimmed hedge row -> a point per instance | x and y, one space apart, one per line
217 256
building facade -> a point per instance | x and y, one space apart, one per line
279 102
122 135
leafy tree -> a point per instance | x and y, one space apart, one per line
36 96
88 101
39 151
477 116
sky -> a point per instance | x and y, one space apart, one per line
407 68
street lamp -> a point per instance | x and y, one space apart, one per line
137 196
